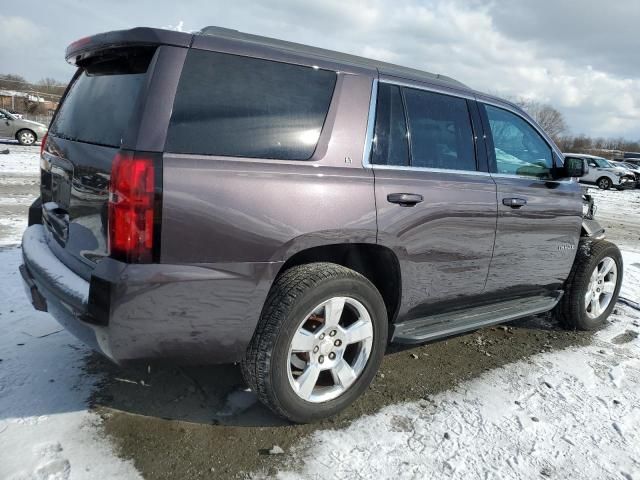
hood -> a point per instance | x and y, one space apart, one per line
32 123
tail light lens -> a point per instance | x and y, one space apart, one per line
133 207
43 143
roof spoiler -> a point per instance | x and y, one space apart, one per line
89 46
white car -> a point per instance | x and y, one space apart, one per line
604 174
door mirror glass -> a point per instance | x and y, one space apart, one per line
575 167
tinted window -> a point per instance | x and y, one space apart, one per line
245 107
440 131
519 148
99 104
390 145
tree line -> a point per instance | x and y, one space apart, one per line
554 123
48 88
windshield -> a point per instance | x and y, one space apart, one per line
7 114
602 163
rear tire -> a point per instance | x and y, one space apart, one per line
301 321
590 295
604 183
26 137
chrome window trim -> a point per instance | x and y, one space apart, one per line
525 177
429 88
427 169
366 156
368 142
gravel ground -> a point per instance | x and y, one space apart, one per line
201 422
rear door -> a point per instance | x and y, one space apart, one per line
539 218
435 200
102 101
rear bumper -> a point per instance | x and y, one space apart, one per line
182 313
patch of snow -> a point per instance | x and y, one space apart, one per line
21 160
12 228
46 431
567 414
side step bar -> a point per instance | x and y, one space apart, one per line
422 330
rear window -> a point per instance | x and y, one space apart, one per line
246 107
99 103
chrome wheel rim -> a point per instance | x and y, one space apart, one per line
330 349
602 285
27 138
603 184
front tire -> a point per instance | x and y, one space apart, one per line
604 183
26 137
319 342
593 286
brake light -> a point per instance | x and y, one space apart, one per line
43 143
131 207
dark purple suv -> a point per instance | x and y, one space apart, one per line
221 197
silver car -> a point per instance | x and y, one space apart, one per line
25 131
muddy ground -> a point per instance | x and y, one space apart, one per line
199 423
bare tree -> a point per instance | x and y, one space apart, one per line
550 119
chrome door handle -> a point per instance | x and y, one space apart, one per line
514 202
405 199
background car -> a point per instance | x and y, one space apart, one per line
604 174
634 169
25 131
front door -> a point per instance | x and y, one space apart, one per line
436 208
539 218
6 129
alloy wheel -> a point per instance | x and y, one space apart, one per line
330 349
602 285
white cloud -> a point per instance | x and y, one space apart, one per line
580 59
14 30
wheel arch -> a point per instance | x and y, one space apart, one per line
375 262
27 129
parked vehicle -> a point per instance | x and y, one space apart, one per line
632 168
605 174
230 213
25 131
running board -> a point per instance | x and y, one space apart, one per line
424 329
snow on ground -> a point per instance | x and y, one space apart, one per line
46 431
567 414
19 184
20 160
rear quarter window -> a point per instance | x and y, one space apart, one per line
237 106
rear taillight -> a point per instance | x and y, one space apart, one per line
43 143
133 207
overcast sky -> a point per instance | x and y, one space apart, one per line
582 56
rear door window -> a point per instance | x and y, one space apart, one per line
390 145
237 106
440 131
102 98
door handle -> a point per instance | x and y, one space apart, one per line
405 199
514 202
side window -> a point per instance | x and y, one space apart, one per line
519 148
238 106
440 131
390 135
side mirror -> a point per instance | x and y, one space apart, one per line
576 167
